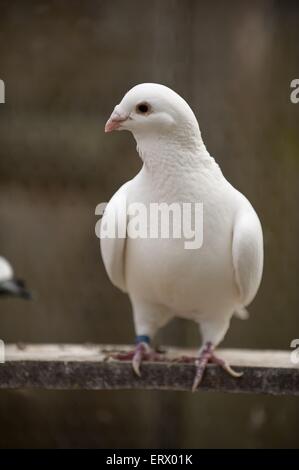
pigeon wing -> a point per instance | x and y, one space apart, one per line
113 237
247 251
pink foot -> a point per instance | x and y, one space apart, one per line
142 352
207 355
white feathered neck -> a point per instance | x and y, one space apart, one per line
176 152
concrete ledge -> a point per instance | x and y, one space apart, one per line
90 367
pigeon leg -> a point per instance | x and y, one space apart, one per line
142 352
207 355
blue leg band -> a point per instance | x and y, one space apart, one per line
142 339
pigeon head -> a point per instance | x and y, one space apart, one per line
155 113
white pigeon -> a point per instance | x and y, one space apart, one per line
162 278
9 285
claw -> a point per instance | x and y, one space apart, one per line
142 352
200 364
136 361
200 368
224 364
233 372
206 355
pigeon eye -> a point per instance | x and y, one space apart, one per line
142 108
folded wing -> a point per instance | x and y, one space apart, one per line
113 237
248 254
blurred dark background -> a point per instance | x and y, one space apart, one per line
65 65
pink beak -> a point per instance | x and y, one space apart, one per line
115 120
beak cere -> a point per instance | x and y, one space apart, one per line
115 120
